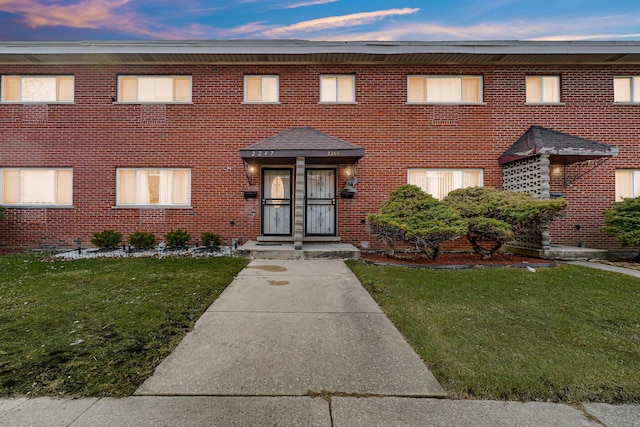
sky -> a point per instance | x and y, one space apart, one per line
371 20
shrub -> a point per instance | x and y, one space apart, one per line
412 216
142 240
106 239
493 217
177 237
211 239
623 222
2 209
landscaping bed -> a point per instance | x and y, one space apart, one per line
456 260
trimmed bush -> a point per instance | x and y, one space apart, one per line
177 238
211 239
142 240
622 222
2 209
106 239
411 216
493 217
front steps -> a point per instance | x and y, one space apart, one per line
284 251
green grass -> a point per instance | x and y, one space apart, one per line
98 327
565 334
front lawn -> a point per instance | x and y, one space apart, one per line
565 334
98 327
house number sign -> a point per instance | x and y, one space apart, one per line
261 153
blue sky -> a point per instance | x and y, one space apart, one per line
43 20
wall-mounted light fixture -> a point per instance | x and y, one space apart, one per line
349 189
249 170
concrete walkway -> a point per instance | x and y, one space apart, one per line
298 343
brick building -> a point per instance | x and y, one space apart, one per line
298 141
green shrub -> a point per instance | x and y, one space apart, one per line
211 239
2 209
177 237
142 240
106 239
411 216
623 222
493 216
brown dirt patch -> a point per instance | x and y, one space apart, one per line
459 260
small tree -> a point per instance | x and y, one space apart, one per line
623 222
493 216
411 216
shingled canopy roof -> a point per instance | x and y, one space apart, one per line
315 146
562 148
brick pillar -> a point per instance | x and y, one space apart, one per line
298 215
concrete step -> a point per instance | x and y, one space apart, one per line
283 251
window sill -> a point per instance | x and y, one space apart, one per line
337 103
261 103
152 103
447 103
544 104
42 206
150 207
37 103
626 104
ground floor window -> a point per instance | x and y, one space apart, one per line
151 187
627 183
37 186
439 182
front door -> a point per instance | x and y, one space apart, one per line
276 202
320 215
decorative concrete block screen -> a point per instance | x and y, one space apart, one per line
530 175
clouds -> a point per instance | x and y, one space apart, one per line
312 20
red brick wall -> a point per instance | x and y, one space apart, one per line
95 136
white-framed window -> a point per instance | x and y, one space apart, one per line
543 89
627 184
444 89
439 182
261 89
337 89
37 186
626 89
153 187
154 89
25 89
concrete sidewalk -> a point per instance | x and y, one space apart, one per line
298 343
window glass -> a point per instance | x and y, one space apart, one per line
37 88
444 89
37 186
164 187
627 184
159 89
261 88
439 182
542 89
337 89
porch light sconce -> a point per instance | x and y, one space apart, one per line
249 170
556 171
349 189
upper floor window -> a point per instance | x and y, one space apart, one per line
626 89
439 182
36 186
154 89
444 89
37 89
627 184
148 187
261 89
543 89
337 89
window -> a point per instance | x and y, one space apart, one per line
37 88
627 183
337 89
148 187
626 89
444 89
439 182
36 186
261 88
543 89
155 89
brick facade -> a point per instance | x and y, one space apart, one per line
94 136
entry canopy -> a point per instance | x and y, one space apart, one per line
317 147
562 148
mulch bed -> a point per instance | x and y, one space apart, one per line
458 260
